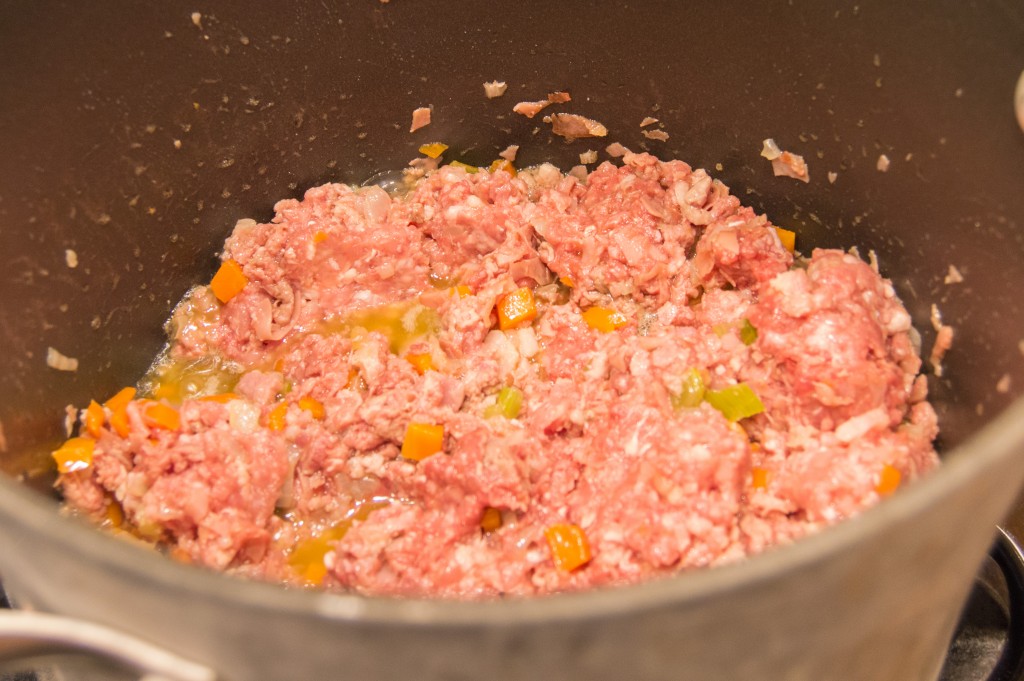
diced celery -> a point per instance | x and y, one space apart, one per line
748 333
508 404
692 392
735 402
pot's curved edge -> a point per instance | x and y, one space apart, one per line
997 444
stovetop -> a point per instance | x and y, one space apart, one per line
988 644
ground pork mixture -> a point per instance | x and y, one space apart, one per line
509 385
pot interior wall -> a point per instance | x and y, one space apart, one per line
135 135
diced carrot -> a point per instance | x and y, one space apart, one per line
229 281
94 418
160 415
434 149
320 237
569 546
516 308
422 440
888 480
115 514
276 416
567 281
503 164
314 406
461 290
490 520
759 477
604 319
119 401
222 398
119 422
787 237
279 364
75 454
422 362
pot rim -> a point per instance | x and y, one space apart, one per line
1003 437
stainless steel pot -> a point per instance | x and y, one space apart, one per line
134 137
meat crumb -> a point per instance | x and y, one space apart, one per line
510 152
883 163
530 109
495 88
579 172
559 97
60 362
3 438
660 135
1003 386
574 126
420 118
197 19
943 340
832 177
954 276
589 156
616 150
784 163
71 258
648 121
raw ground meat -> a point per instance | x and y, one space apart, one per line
362 313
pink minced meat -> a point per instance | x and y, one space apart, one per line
598 444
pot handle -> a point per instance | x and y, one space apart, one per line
29 635
1009 557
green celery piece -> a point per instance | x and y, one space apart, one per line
748 333
692 392
735 402
508 404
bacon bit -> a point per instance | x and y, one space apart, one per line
660 135
229 281
276 416
160 415
574 126
954 276
495 88
422 362
94 419
559 97
516 308
530 109
74 455
434 149
569 546
616 150
589 156
422 440
510 153
648 121
314 406
420 118
785 164
888 480
490 520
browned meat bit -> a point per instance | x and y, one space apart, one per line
495 88
420 118
559 97
660 135
574 126
616 150
589 156
943 340
530 109
648 121
510 152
